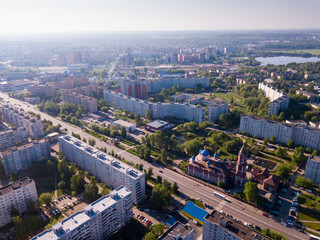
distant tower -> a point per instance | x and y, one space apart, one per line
241 166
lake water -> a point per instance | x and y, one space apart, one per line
283 60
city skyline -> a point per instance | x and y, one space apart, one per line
82 16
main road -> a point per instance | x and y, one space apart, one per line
188 187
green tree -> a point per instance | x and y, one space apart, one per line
14 211
175 188
283 171
304 182
298 156
45 198
32 207
150 236
192 146
251 191
2 171
19 227
123 132
159 179
291 143
149 173
62 185
91 190
161 195
105 190
265 141
149 115
273 139
92 142
220 184
281 152
163 156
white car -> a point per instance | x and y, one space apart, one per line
284 224
309 191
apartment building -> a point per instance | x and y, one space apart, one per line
90 104
10 137
159 110
141 88
107 169
88 90
313 169
19 118
97 221
16 194
42 90
301 135
216 108
278 100
217 226
20 158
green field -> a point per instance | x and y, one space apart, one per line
311 51
237 99
308 215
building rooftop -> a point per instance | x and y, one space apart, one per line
176 231
83 216
11 130
123 123
235 227
30 144
121 166
314 158
157 123
15 185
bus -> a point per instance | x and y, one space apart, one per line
219 195
313 237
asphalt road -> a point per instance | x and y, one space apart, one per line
188 187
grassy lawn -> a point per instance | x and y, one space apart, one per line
308 215
197 203
310 200
311 51
130 142
315 226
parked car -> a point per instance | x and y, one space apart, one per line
265 214
309 190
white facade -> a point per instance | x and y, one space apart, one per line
159 110
278 100
20 158
9 138
300 134
16 194
216 109
313 169
106 168
20 118
97 221
130 127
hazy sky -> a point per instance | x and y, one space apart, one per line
18 16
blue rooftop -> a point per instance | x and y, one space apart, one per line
195 211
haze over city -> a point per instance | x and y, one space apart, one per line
170 120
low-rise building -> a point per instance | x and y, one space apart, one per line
98 220
313 169
104 167
12 137
19 118
178 231
16 194
42 90
220 227
269 181
130 127
157 125
20 158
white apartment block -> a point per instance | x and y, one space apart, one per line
104 167
300 134
159 110
96 221
16 194
18 117
90 104
9 138
313 169
217 226
216 108
20 158
278 100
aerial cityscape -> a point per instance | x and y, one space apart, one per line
172 120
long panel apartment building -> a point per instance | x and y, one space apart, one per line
264 128
18 117
10 137
217 226
159 110
16 194
96 221
313 169
109 170
90 104
16 159
278 100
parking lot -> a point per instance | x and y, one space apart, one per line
64 204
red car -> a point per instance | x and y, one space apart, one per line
265 214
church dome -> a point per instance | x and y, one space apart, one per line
205 152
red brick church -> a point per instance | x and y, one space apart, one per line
213 169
